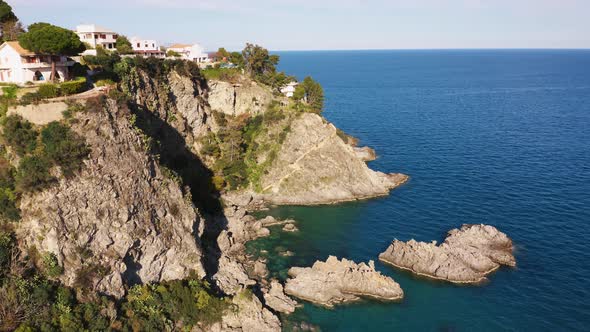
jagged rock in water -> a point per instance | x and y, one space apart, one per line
237 99
275 298
290 228
334 281
315 166
467 255
249 316
120 220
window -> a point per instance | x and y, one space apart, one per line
88 36
115 36
95 36
138 46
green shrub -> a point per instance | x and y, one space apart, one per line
10 91
79 70
72 87
33 174
30 98
157 307
48 90
19 134
64 147
105 82
8 209
51 265
72 109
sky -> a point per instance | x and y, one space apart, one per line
329 24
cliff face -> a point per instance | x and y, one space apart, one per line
316 166
120 221
237 99
312 165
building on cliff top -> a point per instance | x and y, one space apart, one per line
146 48
19 65
289 89
94 35
190 52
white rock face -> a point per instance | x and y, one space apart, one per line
467 255
334 281
276 299
315 166
237 99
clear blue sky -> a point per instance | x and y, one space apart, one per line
330 24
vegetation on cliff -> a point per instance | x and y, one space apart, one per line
32 301
32 298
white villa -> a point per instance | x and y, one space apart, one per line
146 47
289 89
19 65
95 35
190 52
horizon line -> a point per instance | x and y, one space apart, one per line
440 49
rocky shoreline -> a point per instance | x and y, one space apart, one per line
339 281
467 255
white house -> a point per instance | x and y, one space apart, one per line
95 35
190 52
146 47
19 65
289 89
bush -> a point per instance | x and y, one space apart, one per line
51 265
48 90
64 147
33 174
10 91
72 87
30 98
19 134
8 209
105 82
156 307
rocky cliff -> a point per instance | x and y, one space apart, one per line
119 221
308 162
315 166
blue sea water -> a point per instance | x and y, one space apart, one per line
500 137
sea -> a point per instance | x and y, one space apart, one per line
500 137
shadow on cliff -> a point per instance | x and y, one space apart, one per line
196 179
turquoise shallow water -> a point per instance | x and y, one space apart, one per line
496 137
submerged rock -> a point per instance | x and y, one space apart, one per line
276 299
467 255
336 281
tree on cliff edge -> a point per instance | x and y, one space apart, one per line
48 39
310 92
10 27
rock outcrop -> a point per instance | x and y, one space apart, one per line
315 166
337 281
275 298
237 99
466 256
249 315
119 221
